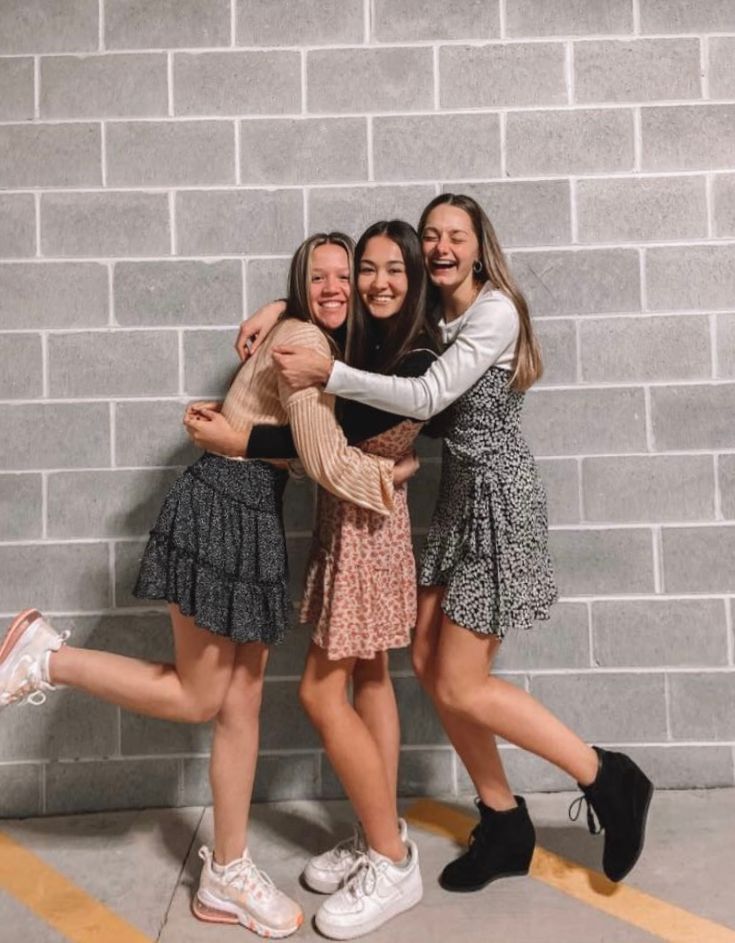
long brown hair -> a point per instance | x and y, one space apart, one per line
299 279
527 363
411 324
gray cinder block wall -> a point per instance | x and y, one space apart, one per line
160 161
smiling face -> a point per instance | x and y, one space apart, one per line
450 247
329 285
382 281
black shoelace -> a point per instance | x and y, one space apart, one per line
576 807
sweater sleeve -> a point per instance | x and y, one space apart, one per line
489 330
365 480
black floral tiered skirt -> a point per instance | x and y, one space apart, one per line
218 550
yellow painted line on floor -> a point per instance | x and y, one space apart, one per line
664 920
58 902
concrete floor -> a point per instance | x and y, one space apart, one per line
143 866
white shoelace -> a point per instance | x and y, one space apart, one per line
362 878
33 685
245 875
350 847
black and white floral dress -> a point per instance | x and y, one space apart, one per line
488 537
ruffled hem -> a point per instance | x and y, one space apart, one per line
384 619
242 611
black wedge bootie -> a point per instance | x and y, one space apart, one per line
501 846
620 797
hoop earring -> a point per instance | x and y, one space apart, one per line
477 267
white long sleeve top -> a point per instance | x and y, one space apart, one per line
483 336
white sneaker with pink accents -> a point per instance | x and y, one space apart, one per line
240 892
24 657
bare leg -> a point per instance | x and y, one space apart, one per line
465 690
190 690
375 702
235 751
474 743
350 746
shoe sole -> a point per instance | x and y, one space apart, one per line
351 933
639 850
16 629
214 912
478 887
321 887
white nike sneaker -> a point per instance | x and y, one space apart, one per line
326 872
375 891
242 893
24 656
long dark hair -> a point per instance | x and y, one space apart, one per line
299 278
410 326
527 364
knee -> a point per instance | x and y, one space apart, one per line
452 694
310 701
423 667
202 708
242 701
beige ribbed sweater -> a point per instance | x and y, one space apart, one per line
258 395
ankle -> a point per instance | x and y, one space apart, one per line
590 768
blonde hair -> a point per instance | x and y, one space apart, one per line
527 363
299 279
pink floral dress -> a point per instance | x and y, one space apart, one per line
360 587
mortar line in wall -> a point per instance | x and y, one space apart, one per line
637 140
414 112
710 204
435 76
110 273
244 293
717 490
502 19
367 21
170 83
44 365
44 505
43 788
599 177
180 355
712 318
238 178
724 243
233 23
503 140
410 44
657 548
101 26
590 635
304 82
637 18
37 214
111 565
36 87
172 221
557 388
580 493
667 704
642 280
103 154
569 70
112 417
582 599
370 147
704 66
650 439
